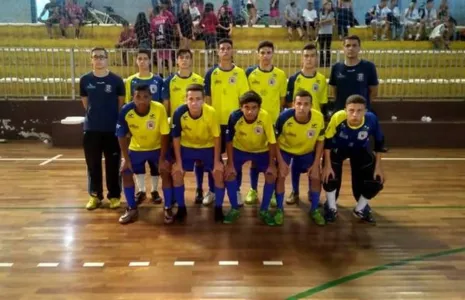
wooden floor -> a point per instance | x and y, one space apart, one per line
47 239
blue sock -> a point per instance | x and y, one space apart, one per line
280 200
211 182
315 199
179 195
295 178
268 190
130 197
254 178
198 170
231 187
219 197
168 195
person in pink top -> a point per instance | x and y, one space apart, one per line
162 34
73 15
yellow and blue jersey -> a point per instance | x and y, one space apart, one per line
155 83
340 135
225 87
195 132
251 137
315 85
174 89
146 130
299 138
271 86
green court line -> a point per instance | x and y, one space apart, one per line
350 277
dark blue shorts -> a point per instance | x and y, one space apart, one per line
260 160
139 158
191 155
302 162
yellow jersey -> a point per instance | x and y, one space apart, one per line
315 85
174 89
155 83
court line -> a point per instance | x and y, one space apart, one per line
6 265
184 263
228 263
93 264
272 263
47 265
353 276
51 159
139 264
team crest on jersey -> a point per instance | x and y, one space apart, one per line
272 81
153 88
360 77
152 116
362 135
310 133
258 130
232 80
194 80
150 124
176 89
315 87
108 88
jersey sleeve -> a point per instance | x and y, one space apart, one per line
215 124
321 128
324 91
176 121
233 118
332 76
164 124
372 75
242 83
208 83
290 88
377 134
249 71
120 89
283 88
282 119
331 130
159 95
82 86
166 88
128 89
122 128
269 130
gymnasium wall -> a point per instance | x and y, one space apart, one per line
15 11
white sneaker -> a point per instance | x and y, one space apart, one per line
208 199
239 199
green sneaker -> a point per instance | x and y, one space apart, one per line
317 217
232 216
93 203
252 197
267 218
279 217
114 203
273 202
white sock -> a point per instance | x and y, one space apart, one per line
362 202
331 197
140 180
154 183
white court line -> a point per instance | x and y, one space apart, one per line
93 264
6 265
139 264
228 263
425 158
183 263
47 265
272 263
50 160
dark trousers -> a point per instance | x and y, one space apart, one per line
325 49
106 143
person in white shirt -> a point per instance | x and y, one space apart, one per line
311 20
325 33
429 19
440 35
379 22
411 20
395 21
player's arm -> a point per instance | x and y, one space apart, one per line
319 147
330 132
278 131
121 92
208 87
122 132
290 91
83 93
324 98
127 86
272 145
379 148
165 95
216 132
283 91
333 82
176 134
165 135
230 132
373 82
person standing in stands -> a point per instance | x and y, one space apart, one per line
102 94
325 33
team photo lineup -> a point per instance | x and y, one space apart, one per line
284 127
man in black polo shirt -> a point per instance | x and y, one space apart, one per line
102 94
354 76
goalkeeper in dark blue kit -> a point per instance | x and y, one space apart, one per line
347 137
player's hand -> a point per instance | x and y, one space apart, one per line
218 168
163 165
283 169
379 173
314 172
229 172
272 170
327 174
125 166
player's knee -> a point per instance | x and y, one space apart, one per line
371 188
270 178
218 178
331 185
177 178
315 184
230 177
128 179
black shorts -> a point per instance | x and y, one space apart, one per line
293 25
311 24
210 40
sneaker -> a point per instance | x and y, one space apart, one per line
232 216
317 217
93 203
273 202
330 214
199 196
267 218
140 197
129 216
293 198
252 197
279 217
181 215
239 199
219 216
114 203
169 216
365 216
156 199
208 199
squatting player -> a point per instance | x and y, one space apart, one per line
147 124
300 133
196 137
270 83
251 137
155 82
347 136
312 81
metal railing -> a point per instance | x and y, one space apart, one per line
38 73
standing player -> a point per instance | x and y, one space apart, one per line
196 137
147 123
251 137
347 136
300 133
102 94
270 83
224 85
312 81
155 83
174 95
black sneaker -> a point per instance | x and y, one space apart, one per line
368 218
219 216
140 197
156 199
198 196
181 214
129 216
169 216
360 214
330 214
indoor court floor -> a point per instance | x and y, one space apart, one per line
51 247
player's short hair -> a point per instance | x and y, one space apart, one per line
99 49
184 51
142 88
225 41
309 46
195 88
356 99
352 38
250 97
265 44
303 93
144 51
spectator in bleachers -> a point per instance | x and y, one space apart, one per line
127 40
185 26
310 17
345 18
325 33
252 11
293 14
429 19
224 29
395 21
379 21
411 20
142 31
274 12
73 15
55 16
228 9
195 15
162 35
209 23
440 36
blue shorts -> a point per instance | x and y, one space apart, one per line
302 162
260 160
139 158
191 155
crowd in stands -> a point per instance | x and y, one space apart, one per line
63 15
